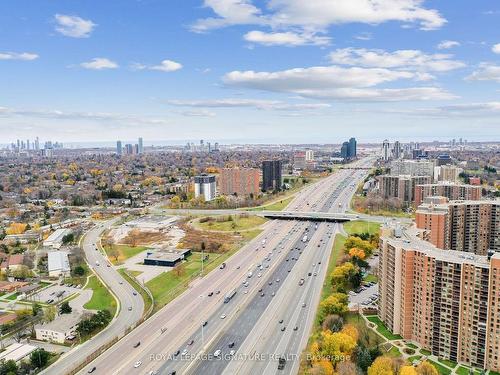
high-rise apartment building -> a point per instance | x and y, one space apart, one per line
119 148
239 181
412 168
446 301
271 175
309 155
386 153
204 185
468 226
401 187
352 148
396 150
449 173
449 190
140 146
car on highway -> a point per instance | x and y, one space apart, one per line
177 353
205 323
231 344
137 344
217 292
120 282
262 294
295 328
137 364
210 294
223 316
92 370
217 353
283 328
191 342
304 304
231 352
281 321
134 293
130 308
184 352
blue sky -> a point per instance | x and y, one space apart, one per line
287 71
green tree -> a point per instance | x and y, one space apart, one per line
79 271
39 357
36 308
8 368
65 308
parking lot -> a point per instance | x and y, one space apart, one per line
365 298
55 293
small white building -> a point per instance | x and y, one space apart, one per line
58 264
16 352
62 327
55 239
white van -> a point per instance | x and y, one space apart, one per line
217 353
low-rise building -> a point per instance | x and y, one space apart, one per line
12 262
166 258
59 329
58 264
55 240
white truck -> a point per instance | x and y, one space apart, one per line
304 239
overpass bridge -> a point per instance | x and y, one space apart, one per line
307 216
281 215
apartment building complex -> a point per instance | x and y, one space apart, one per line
204 185
239 181
401 186
446 301
412 168
471 226
449 190
271 175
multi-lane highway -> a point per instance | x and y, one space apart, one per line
172 339
130 309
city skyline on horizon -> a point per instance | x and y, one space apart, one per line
254 71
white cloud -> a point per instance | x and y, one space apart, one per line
496 48
407 59
288 38
74 26
363 36
486 72
318 14
469 110
164 66
198 113
229 12
334 82
99 63
24 56
81 116
447 44
262 104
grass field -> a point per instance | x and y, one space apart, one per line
447 362
123 252
394 352
168 285
371 278
101 298
414 358
410 345
441 369
12 297
138 288
238 223
361 227
276 206
425 352
382 329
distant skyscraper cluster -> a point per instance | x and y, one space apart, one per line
130 149
349 149
33 146
202 146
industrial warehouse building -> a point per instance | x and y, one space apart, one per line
166 258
